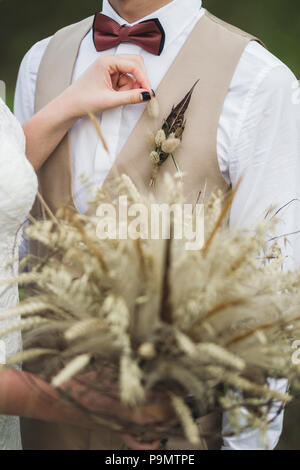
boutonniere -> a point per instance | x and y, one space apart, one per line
168 138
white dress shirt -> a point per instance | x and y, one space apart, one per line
258 136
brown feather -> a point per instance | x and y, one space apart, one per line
176 118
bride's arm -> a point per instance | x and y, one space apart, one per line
26 395
109 82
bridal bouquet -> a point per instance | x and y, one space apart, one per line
206 327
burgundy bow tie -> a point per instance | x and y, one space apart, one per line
148 34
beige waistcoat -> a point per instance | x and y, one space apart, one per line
211 54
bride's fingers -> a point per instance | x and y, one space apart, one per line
133 66
138 59
126 82
134 444
123 98
141 63
114 80
123 82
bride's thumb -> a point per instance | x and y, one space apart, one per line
133 96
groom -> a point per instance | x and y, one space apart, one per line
242 122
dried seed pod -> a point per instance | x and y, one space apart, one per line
187 421
81 328
160 137
154 174
150 140
170 145
153 108
154 157
132 391
72 369
147 351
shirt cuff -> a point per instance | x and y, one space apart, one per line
253 439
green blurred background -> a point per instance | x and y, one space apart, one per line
23 23
276 22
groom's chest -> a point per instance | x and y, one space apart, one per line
209 55
88 155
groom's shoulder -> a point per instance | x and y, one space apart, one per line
262 84
32 59
257 65
260 65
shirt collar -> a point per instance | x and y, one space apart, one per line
174 16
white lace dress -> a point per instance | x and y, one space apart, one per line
18 186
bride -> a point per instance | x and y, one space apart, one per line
110 82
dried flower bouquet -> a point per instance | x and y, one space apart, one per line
212 324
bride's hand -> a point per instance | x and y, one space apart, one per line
156 411
111 81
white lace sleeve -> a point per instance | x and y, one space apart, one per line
18 186
18 182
